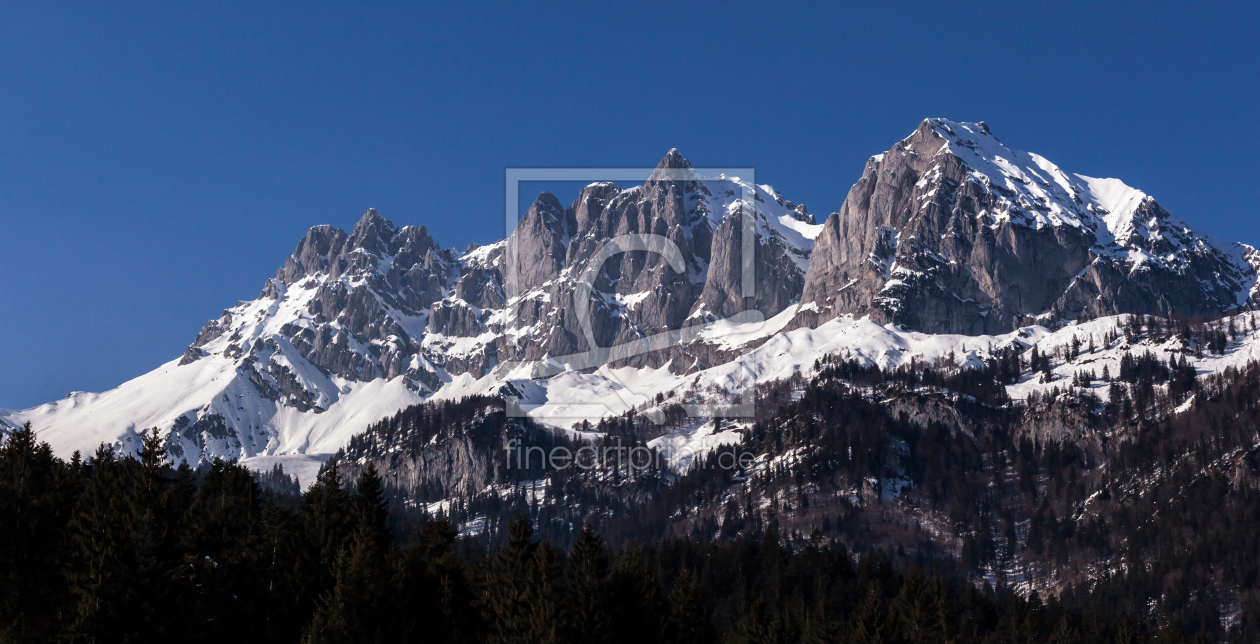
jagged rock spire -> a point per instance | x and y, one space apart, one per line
536 249
373 232
672 161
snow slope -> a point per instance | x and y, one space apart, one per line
213 385
1127 223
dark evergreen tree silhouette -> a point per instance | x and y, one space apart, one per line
869 623
689 622
518 590
37 491
635 602
586 602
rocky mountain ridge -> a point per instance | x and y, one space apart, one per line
949 232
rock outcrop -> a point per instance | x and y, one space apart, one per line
950 231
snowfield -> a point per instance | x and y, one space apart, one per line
82 421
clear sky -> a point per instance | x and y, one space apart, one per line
158 162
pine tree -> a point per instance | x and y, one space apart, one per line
757 626
361 607
436 596
328 524
688 621
1065 633
327 512
819 627
222 557
115 566
159 499
1124 632
281 572
158 495
227 505
637 607
518 595
371 506
869 623
918 610
586 603
1170 633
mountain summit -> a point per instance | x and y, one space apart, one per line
951 231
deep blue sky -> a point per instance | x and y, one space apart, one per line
157 163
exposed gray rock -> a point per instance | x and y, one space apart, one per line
199 437
312 254
951 232
779 276
191 355
386 302
1067 420
637 293
536 248
463 457
213 329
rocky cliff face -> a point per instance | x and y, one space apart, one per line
447 449
640 293
950 231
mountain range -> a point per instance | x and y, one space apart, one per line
949 244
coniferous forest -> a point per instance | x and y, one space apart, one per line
129 549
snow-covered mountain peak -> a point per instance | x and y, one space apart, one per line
1128 224
1115 198
357 325
1035 191
953 230
1031 190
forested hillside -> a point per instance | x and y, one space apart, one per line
128 549
1134 488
